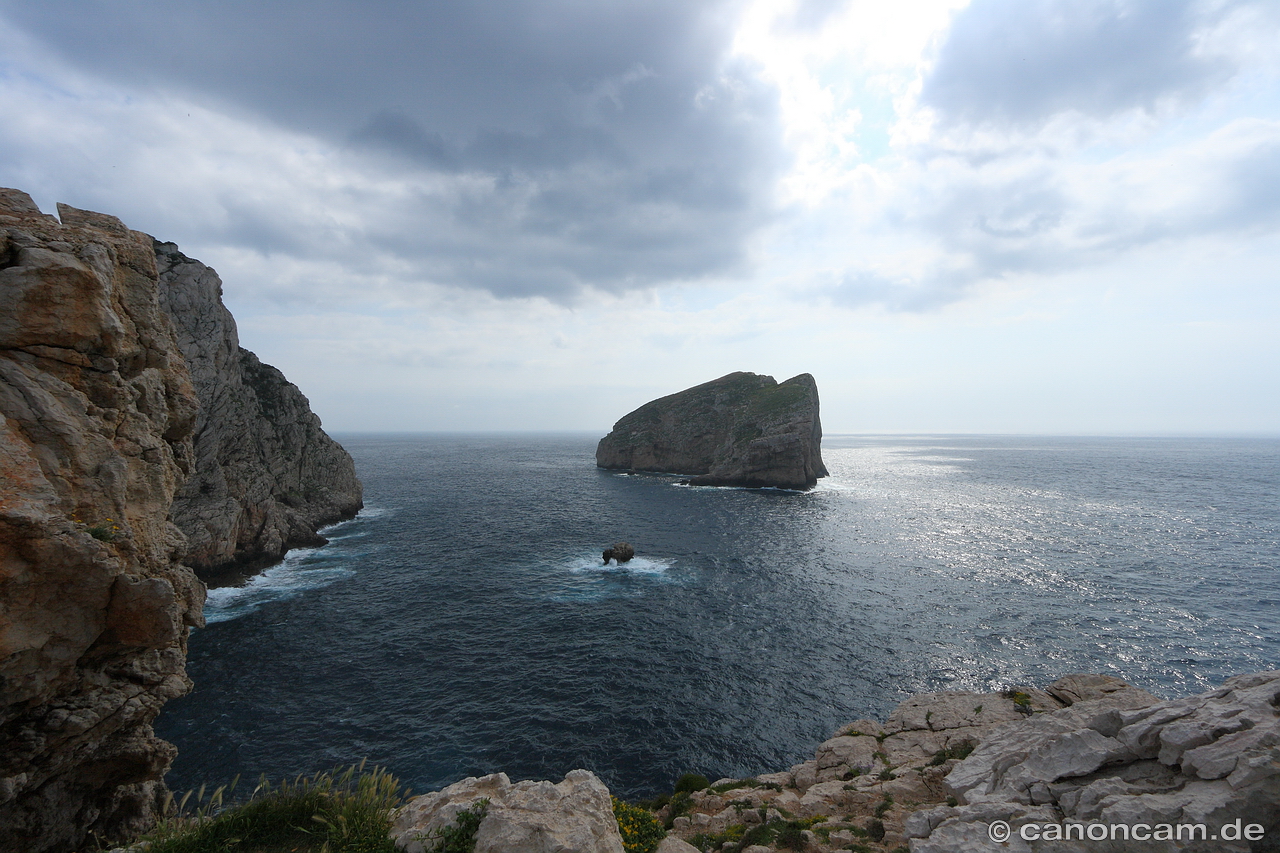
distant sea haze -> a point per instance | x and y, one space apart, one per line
463 623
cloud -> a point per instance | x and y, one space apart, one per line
523 148
1037 214
1019 62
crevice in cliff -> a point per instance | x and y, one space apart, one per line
8 254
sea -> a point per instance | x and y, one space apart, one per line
464 623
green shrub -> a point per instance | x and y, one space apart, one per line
461 836
680 803
340 812
884 806
691 782
640 830
944 755
791 836
875 829
714 841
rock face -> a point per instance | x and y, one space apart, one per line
573 816
98 411
1088 751
739 430
1212 759
865 785
266 475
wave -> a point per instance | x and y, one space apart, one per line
298 572
635 566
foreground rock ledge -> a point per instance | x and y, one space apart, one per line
739 430
1088 749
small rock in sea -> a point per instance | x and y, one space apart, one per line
621 551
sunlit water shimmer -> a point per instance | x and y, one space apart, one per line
463 623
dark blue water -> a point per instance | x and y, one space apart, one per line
463 624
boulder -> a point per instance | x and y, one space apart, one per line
621 551
739 430
572 816
672 844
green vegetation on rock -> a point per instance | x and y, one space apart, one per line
346 811
460 836
641 831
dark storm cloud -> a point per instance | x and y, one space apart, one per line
1022 61
606 145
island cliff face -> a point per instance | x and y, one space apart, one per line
98 411
739 430
266 475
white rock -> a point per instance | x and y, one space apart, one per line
823 796
672 844
1096 762
573 816
847 753
804 775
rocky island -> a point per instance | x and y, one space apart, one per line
132 424
743 429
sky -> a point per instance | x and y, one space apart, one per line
996 216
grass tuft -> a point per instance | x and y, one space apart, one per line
341 811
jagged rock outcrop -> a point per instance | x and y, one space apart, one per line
573 816
98 411
1089 751
739 430
266 474
1211 760
863 786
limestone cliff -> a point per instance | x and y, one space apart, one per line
266 474
98 411
739 430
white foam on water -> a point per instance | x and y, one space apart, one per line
584 577
686 485
635 566
301 570
366 513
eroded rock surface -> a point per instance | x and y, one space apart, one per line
98 411
867 785
1211 759
573 816
739 430
266 475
